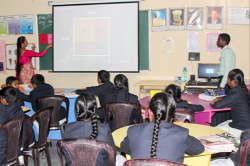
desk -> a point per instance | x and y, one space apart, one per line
155 85
202 159
204 117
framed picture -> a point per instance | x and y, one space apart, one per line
214 17
195 18
176 20
159 20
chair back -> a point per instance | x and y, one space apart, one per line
55 101
121 112
84 152
43 118
183 116
194 91
244 153
151 162
13 132
20 101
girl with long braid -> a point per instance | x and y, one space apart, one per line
160 138
86 126
238 100
122 94
24 68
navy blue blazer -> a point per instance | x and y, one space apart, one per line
22 96
80 129
240 110
3 118
121 96
209 20
173 142
102 91
15 110
184 103
44 90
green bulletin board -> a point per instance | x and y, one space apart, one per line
45 26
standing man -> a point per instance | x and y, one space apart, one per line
227 63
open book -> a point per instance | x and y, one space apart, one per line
214 143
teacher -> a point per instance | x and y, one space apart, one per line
24 68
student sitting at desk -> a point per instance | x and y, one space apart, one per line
238 100
86 126
8 99
169 142
102 91
122 94
175 91
3 118
14 82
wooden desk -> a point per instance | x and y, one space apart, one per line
155 85
202 159
204 117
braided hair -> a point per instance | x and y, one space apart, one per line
121 83
19 42
175 91
163 107
85 108
238 76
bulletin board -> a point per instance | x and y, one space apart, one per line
45 26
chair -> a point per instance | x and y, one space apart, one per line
193 91
183 116
151 162
244 153
84 152
55 101
20 101
13 132
43 118
121 112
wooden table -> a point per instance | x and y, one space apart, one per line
202 159
155 85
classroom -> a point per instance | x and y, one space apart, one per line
162 66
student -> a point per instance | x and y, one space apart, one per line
40 88
24 68
14 82
3 118
175 91
86 126
8 99
238 100
122 94
102 91
234 158
168 141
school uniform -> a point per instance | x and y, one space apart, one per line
102 91
240 110
184 103
15 110
121 97
22 96
44 90
3 118
80 129
173 142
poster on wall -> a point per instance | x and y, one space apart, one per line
168 44
3 26
176 20
195 18
193 40
11 55
159 20
27 24
214 17
14 25
2 57
212 42
238 15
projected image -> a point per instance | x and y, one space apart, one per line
92 37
